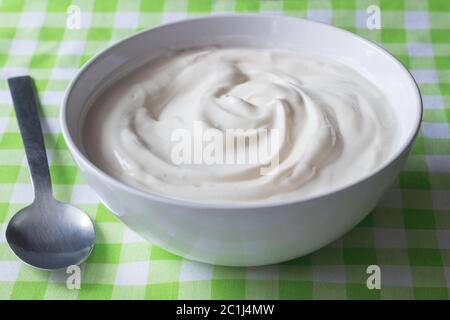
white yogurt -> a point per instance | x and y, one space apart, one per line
334 126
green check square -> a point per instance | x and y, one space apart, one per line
199 6
60 143
439 5
90 291
343 4
414 180
7 33
404 59
442 62
300 273
392 5
295 290
159 253
12 5
11 140
63 174
58 5
41 84
105 5
424 257
360 256
393 35
3 210
53 34
9 174
445 90
302 261
162 291
430 293
105 253
104 215
99 34
367 222
227 289
361 292
440 35
295 5
327 256
3 59
246 5
359 237
152 5
83 59
419 146
42 61
419 219
29 290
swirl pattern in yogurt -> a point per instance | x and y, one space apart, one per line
333 125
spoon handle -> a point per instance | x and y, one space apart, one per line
25 104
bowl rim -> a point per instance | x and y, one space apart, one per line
153 196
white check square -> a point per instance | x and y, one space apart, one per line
71 47
425 76
396 276
195 271
9 270
31 19
416 20
126 20
323 16
22 47
433 102
133 273
83 194
420 49
173 16
332 274
435 130
390 238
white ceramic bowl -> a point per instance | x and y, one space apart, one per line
243 234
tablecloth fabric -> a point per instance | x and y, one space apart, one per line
407 235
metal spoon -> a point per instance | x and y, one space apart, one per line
48 234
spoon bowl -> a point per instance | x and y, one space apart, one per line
51 235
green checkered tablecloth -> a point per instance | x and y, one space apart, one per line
408 235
